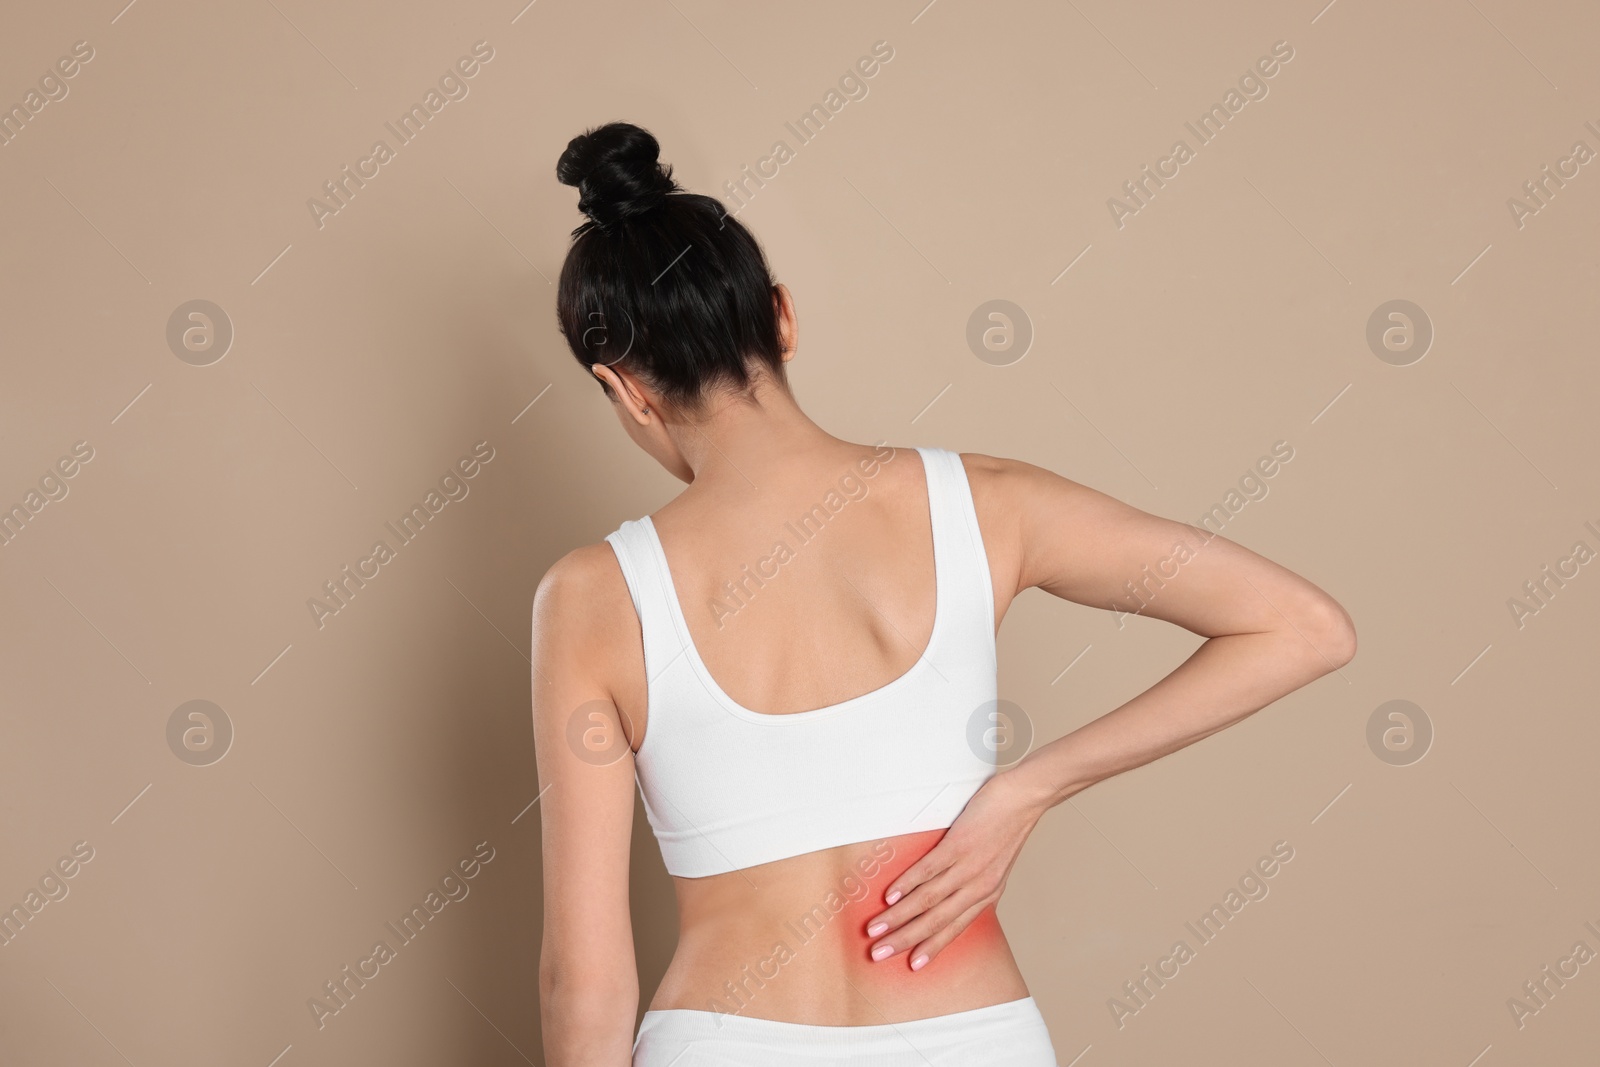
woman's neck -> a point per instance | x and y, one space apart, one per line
742 442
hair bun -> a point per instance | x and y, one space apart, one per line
616 172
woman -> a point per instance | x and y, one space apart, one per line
795 659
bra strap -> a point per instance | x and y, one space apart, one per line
963 565
647 586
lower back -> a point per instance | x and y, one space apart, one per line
787 940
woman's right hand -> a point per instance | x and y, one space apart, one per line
940 895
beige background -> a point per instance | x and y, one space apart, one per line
371 754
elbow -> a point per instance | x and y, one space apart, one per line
583 1007
592 993
1329 630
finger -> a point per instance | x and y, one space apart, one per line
927 950
925 927
938 860
918 899
950 903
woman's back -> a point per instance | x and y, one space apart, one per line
851 592
817 647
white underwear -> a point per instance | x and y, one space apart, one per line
1012 1034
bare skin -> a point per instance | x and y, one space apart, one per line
852 611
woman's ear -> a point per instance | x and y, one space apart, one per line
788 324
626 392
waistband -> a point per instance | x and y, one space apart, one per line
999 1027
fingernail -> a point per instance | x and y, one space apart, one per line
876 928
917 964
892 897
881 951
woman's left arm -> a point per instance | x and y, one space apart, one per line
1268 632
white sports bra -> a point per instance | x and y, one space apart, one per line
726 788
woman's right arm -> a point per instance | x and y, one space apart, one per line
1268 632
588 987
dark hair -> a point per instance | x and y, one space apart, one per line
659 280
